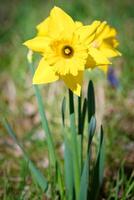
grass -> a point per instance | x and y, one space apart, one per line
18 19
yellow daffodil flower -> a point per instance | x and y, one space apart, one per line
67 48
105 42
64 49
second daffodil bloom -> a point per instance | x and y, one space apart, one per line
105 42
67 47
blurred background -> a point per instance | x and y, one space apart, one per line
114 94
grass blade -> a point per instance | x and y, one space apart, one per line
39 178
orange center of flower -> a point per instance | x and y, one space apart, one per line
67 51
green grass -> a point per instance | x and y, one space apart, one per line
18 20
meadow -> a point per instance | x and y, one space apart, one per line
114 97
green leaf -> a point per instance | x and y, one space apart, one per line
81 123
39 178
59 180
91 130
84 183
79 116
74 145
98 170
84 114
69 175
101 156
90 100
72 113
63 108
129 187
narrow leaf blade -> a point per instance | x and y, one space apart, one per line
91 130
98 170
84 109
42 182
79 116
68 167
84 184
91 100
63 108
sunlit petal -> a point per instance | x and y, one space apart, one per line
43 27
38 44
74 83
60 22
44 73
96 58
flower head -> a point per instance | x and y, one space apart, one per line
105 43
66 47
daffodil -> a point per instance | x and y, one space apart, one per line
106 43
68 48
64 46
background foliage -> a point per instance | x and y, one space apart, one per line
18 20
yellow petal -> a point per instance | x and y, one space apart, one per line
105 31
38 44
78 24
101 30
88 32
43 27
44 73
107 47
96 58
112 32
110 52
60 22
74 83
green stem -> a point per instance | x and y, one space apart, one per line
51 149
80 134
72 114
76 165
79 116
45 126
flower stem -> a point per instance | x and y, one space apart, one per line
44 121
50 143
76 163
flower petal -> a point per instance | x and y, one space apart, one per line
105 40
96 58
110 52
108 48
44 73
60 22
88 32
43 27
74 83
38 44
78 24
105 31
